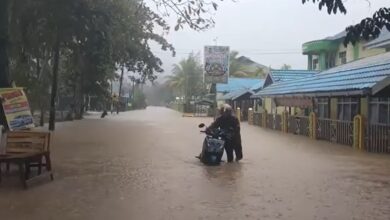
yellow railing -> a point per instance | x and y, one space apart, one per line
358 132
342 132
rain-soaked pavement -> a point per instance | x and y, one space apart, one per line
141 165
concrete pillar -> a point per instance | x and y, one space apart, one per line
333 109
322 61
310 62
264 115
364 107
313 125
285 121
356 51
358 132
250 116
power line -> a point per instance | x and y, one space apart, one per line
253 53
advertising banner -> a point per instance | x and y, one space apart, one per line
216 64
16 108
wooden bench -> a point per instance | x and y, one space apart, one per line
30 148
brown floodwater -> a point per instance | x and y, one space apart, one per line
141 165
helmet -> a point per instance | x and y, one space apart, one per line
227 110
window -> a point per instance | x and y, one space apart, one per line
315 64
380 111
323 108
343 57
330 60
347 108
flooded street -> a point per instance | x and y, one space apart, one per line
141 165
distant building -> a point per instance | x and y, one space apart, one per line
330 52
237 93
338 98
279 76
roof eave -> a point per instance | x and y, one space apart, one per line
380 85
317 94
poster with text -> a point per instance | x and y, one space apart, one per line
216 64
16 108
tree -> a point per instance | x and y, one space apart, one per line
84 43
235 66
94 38
368 28
186 78
4 68
243 67
191 13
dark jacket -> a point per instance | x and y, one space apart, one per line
229 123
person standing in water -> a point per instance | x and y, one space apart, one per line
229 122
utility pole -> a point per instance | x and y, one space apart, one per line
111 98
213 89
120 90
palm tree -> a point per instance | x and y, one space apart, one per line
244 70
186 78
177 80
235 66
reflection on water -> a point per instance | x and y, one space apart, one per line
226 172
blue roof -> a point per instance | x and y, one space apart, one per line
237 84
286 75
236 94
341 81
258 85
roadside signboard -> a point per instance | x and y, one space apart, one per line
216 64
16 108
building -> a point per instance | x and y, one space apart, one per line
279 76
330 52
235 84
350 104
237 93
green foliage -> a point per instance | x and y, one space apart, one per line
139 100
94 38
366 29
187 78
235 66
243 70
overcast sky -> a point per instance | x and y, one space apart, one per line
270 32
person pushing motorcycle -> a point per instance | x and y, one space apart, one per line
228 121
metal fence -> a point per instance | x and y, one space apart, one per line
378 138
299 125
335 131
342 132
256 118
270 121
278 122
324 129
201 110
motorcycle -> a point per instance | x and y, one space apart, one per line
213 145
